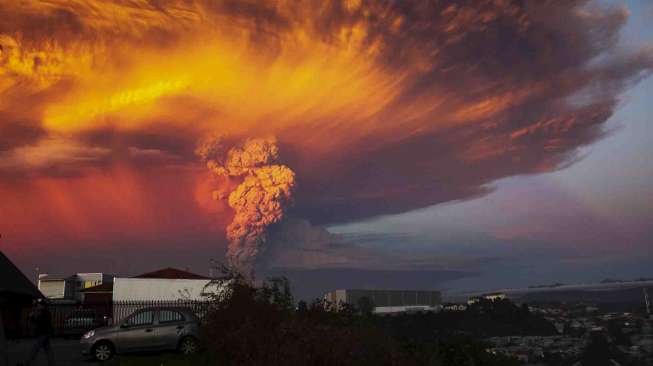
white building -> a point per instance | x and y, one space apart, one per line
158 289
495 296
166 285
56 288
454 307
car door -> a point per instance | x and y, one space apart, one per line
170 327
137 332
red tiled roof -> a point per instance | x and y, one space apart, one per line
104 287
172 273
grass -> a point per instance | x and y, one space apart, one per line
161 359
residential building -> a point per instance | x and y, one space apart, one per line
494 296
100 294
56 287
389 301
69 288
16 291
99 300
86 280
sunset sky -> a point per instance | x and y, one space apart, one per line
454 145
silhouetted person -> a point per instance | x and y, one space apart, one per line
41 322
4 350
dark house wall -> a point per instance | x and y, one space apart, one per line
98 298
13 307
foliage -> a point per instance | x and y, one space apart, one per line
250 325
481 320
598 352
365 306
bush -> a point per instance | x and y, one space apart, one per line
250 325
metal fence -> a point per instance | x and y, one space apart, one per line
122 309
76 319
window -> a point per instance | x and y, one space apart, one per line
170 316
142 318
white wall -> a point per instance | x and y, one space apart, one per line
52 289
155 289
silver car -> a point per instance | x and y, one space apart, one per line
153 328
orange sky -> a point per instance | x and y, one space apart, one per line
378 107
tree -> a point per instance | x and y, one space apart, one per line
597 352
248 325
365 306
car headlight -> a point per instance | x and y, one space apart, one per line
88 334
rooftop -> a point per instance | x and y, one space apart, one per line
12 280
46 277
172 273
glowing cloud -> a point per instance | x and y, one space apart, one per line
379 107
259 201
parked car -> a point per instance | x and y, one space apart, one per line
79 322
148 329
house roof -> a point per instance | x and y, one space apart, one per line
12 280
172 273
104 287
52 278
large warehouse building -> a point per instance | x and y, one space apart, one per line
389 301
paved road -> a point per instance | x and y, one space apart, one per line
66 353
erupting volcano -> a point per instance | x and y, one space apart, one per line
376 108
259 201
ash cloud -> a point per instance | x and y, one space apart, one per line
259 200
380 107
295 244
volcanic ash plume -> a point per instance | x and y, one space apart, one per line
259 201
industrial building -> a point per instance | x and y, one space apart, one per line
165 285
389 301
168 284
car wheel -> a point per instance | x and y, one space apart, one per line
102 351
189 346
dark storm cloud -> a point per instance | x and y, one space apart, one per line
561 53
431 100
18 132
